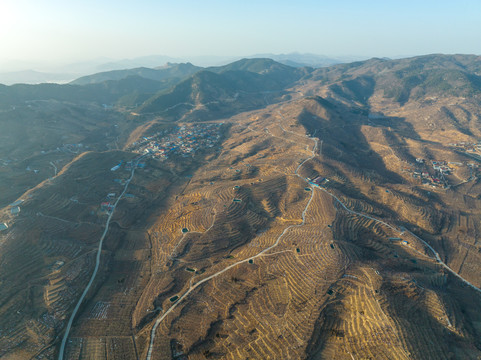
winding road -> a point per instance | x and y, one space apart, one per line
436 255
192 287
264 252
438 259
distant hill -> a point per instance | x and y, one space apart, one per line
272 71
239 80
405 79
301 60
168 71
150 61
258 65
106 92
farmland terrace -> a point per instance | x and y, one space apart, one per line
306 224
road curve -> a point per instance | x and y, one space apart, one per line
358 213
436 255
97 264
263 252
438 259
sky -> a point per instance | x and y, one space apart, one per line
56 31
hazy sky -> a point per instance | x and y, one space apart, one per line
71 30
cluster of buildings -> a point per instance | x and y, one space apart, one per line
441 170
108 206
442 167
318 181
5 162
137 163
184 140
467 146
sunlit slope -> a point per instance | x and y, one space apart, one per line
336 217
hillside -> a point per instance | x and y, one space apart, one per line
302 60
169 71
418 77
108 92
253 210
224 90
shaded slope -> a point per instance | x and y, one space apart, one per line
106 92
238 86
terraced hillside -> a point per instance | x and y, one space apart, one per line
337 218
331 285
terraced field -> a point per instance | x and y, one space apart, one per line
316 280
302 234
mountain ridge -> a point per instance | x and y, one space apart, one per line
170 71
252 210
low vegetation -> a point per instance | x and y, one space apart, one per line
272 213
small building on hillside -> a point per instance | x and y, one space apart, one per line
116 167
105 205
376 116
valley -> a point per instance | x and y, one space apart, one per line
251 211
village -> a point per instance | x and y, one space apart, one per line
439 175
181 140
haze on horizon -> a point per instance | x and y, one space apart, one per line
55 31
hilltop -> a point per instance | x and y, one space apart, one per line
222 90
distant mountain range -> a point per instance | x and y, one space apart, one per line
69 72
157 89
160 73
301 60
151 90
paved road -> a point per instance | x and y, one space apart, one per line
438 259
192 287
358 213
436 255
97 264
